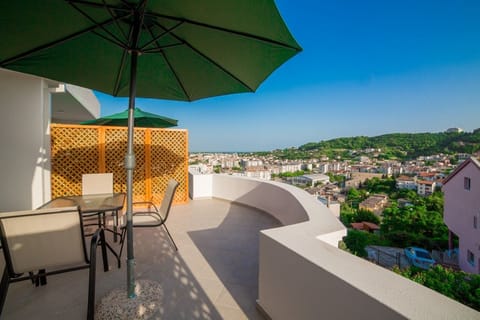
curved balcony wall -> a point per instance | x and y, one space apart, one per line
303 275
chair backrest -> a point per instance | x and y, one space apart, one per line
168 198
43 238
97 183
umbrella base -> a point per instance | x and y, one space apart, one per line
146 305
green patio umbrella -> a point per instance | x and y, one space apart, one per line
142 119
169 49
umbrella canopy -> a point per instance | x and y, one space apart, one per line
142 119
189 49
170 49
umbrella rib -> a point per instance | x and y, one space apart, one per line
240 33
210 60
115 40
160 50
119 74
127 8
51 44
116 21
122 66
156 38
118 44
176 77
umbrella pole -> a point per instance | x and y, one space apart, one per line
130 166
130 157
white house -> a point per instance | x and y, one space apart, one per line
258 173
425 188
406 182
28 105
290 167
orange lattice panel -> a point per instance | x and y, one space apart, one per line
169 153
115 150
161 154
74 151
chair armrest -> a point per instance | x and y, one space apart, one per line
147 203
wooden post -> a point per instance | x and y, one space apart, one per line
148 165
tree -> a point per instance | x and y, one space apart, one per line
414 225
366 215
465 288
376 185
356 241
434 202
355 196
346 214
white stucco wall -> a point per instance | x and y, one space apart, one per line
24 141
302 275
200 186
460 207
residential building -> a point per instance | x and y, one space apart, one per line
454 130
258 173
425 188
374 203
323 168
312 179
406 182
427 176
307 166
200 168
462 212
356 178
290 167
245 163
365 226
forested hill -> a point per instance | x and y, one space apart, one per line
404 145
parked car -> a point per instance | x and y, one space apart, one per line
419 257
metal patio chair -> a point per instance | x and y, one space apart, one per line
99 183
153 217
50 241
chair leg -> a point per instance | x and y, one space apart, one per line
104 250
122 241
170 236
4 289
92 270
42 277
115 225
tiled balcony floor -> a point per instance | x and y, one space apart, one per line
214 275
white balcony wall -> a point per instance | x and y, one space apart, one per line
24 140
200 186
302 275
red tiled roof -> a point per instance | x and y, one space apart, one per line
426 182
364 226
371 225
357 225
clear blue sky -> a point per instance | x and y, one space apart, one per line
368 68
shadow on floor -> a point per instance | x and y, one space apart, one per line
231 250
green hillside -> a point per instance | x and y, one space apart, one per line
401 145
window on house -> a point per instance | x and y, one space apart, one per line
470 257
466 183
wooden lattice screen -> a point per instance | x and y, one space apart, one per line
161 154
